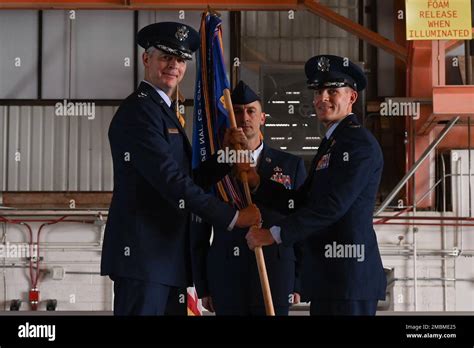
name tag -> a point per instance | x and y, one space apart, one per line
323 162
173 131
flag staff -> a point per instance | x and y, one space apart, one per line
262 269
211 11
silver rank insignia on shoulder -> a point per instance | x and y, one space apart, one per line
353 125
182 33
268 159
279 177
142 95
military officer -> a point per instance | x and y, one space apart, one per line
146 244
342 268
226 274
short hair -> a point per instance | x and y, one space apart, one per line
150 50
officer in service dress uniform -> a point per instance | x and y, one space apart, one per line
342 269
225 273
146 244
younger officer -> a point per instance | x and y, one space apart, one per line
226 274
146 243
343 273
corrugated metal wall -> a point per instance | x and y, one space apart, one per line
95 46
18 54
82 58
43 152
40 151
283 40
88 57
271 37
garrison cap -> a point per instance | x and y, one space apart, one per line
243 94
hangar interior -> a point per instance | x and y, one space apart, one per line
56 174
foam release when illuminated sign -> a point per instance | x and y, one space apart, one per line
438 19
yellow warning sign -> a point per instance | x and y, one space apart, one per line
438 19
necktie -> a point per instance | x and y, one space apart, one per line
322 146
321 150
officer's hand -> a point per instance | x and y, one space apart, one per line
257 237
249 216
207 303
296 298
252 176
234 136
239 168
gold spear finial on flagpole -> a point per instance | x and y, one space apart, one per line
212 11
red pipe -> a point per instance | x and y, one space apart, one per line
34 279
37 246
383 219
441 218
424 224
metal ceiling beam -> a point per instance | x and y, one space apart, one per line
358 30
220 5
165 5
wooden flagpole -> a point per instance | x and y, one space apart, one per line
262 269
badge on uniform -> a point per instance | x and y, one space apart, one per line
279 177
173 131
323 162
182 33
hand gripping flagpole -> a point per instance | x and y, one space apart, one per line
262 269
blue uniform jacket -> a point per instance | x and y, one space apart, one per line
333 217
147 231
227 270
